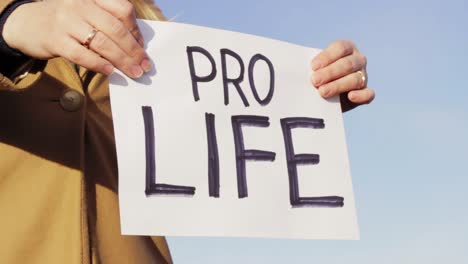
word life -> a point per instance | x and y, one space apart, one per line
242 153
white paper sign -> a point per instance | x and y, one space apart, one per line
227 137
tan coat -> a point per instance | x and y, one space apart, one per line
58 171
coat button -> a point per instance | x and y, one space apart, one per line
71 100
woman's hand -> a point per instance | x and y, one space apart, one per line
340 69
59 28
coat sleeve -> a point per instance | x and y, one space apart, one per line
14 70
28 74
4 4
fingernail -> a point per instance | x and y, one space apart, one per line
108 69
324 91
137 71
146 65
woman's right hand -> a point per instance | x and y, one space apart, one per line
58 28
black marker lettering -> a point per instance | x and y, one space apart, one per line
236 81
151 186
196 79
293 160
242 154
252 63
213 157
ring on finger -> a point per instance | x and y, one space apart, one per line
90 38
363 79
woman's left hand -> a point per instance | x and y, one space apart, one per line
340 69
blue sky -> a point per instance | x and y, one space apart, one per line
408 150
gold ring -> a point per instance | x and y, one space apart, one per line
363 78
90 38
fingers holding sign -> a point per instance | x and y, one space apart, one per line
340 69
98 35
125 12
114 41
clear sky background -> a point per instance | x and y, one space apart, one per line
408 150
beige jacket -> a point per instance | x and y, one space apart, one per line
58 171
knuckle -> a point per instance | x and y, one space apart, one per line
346 47
332 89
136 51
127 9
349 64
123 62
324 57
337 87
119 29
349 43
352 43
364 60
326 74
99 42
343 87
